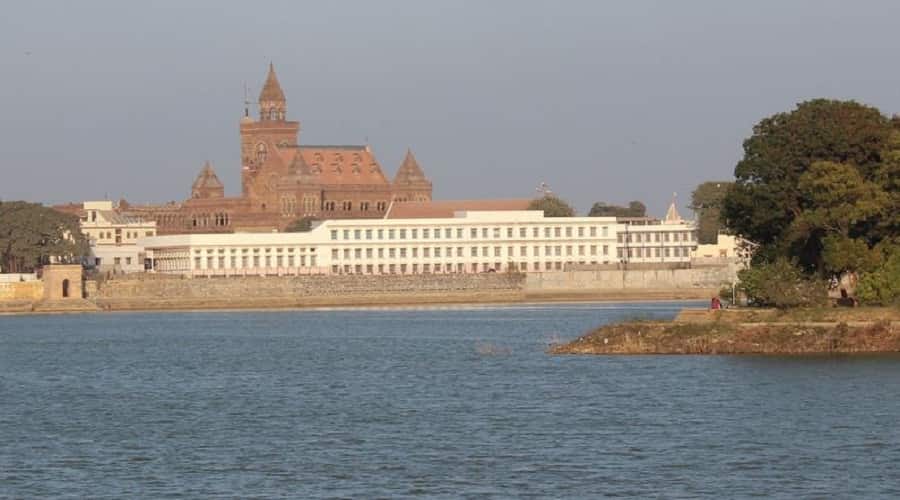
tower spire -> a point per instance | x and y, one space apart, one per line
272 103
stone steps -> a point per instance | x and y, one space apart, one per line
15 306
65 305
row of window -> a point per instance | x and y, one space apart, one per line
170 220
648 253
211 220
459 232
474 251
450 267
347 206
108 235
656 237
273 114
254 262
254 250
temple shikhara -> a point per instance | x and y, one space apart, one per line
283 180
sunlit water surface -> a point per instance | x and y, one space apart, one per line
445 402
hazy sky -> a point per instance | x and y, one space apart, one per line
607 101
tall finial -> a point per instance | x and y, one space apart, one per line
246 101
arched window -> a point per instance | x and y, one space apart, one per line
273 115
261 153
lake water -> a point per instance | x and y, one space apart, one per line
427 403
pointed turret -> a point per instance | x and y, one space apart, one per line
207 184
409 171
272 103
410 183
672 215
271 90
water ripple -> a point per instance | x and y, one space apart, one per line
385 403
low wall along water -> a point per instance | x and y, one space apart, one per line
21 291
638 279
300 291
156 291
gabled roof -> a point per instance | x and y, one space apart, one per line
207 178
409 172
298 165
446 208
334 165
271 90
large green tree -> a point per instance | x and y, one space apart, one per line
31 234
706 202
839 209
634 209
887 175
768 204
552 206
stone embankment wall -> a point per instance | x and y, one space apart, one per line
22 291
156 291
705 278
304 291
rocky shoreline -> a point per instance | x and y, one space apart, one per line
721 334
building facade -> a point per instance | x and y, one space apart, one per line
469 242
283 180
113 237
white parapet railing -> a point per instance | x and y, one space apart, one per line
17 277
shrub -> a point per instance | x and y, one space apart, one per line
725 293
881 286
781 284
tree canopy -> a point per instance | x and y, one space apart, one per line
706 202
301 225
552 206
817 185
634 209
30 234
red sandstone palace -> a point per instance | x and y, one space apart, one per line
282 180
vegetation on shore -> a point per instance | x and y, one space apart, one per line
31 234
554 206
764 332
817 193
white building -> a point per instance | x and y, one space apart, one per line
469 242
114 237
646 240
